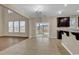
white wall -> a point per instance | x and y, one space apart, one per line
51 20
52 26
11 17
1 21
14 8
5 17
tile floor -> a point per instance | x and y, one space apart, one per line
6 42
35 46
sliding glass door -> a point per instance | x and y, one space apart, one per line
42 30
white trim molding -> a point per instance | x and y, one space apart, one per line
66 48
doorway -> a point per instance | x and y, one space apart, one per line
42 30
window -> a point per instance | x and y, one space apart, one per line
10 26
22 26
16 26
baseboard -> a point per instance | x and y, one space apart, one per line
66 48
15 36
1 35
52 38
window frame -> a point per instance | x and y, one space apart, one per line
19 26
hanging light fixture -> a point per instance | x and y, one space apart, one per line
39 11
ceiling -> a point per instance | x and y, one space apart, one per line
49 9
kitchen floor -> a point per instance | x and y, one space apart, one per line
33 46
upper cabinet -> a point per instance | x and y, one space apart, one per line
63 21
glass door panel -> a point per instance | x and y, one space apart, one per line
42 30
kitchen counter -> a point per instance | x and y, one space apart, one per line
73 31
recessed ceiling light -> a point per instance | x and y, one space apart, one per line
59 12
77 10
65 5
